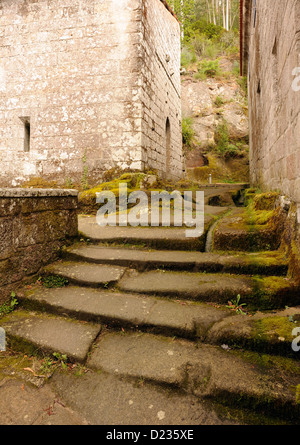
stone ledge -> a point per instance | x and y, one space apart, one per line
35 193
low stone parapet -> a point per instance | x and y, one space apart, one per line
34 225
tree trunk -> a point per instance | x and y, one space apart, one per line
213 11
223 8
208 9
227 15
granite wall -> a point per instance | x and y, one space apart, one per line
34 225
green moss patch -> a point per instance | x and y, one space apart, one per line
274 292
274 329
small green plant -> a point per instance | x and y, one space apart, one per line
236 306
50 364
85 168
209 68
61 360
219 101
8 307
187 131
187 57
222 137
53 281
69 183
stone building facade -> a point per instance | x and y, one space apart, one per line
88 85
271 59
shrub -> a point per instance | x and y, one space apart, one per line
187 57
187 131
219 101
205 47
222 137
209 68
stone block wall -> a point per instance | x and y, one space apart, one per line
161 90
272 62
71 88
273 43
34 224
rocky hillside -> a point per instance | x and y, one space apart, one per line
215 121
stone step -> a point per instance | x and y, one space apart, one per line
271 332
86 274
155 237
29 332
265 263
235 232
258 292
204 371
188 319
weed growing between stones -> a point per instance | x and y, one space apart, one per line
53 281
8 307
236 306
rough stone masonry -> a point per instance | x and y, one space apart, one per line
88 85
271 61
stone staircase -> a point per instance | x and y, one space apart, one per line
154 309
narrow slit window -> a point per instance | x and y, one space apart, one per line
27 136
26 123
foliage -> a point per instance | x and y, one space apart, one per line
224 147
204 47
49 365
85 170
209 68
236 306
219 101
6 308
187 56
208 17
187 131
222 137
53 281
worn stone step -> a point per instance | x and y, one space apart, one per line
273 332
187 319
204 371
86 274
29 332
257 292
155 237
266 263
236 232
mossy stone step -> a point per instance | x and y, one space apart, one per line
271 332
85 274
29 332
155 237
191 320
244 231
257 292
204 371
265 263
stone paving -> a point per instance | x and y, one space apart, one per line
155 323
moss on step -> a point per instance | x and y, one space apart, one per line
254 228
274 328
274 292
265 201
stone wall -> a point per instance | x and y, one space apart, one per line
71 88
272 61
161 90
34 224
272 35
